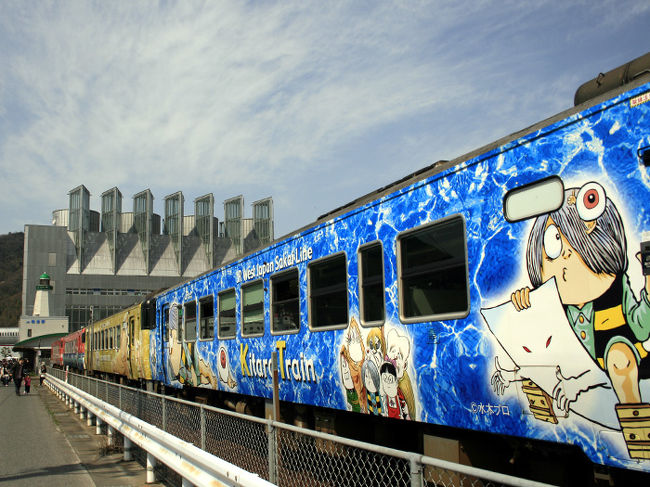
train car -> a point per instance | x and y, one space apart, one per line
119 344
57 353
74 350
499 296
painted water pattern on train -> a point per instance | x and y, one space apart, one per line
525 344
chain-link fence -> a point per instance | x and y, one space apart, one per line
284 454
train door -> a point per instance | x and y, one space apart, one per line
82 351
90 347
164 342
130 350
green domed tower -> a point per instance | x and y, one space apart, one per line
42 299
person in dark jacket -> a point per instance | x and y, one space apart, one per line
19 374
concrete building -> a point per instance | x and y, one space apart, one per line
101 262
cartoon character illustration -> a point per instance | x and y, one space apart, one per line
353 353
396 405
581 248
372 383
223 367
185 362
361 361
398 349
351 394
376 346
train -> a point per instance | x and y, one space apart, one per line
496 304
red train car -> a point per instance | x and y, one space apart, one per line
57 353
74 349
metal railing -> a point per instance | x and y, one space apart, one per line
283 454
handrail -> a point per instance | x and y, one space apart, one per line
197 466
417 461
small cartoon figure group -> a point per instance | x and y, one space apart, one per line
375 376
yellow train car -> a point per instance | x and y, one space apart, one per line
119 344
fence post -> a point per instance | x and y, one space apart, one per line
128 446
202 416
416 473
151 466
271 432
119 396
164 413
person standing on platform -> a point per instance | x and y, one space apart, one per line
4 375
42 376
28 383
19 374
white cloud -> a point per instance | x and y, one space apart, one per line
260 98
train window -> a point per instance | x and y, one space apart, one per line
371 285
179 323
285 302
148 313
227 315
165 322
533 199
189 314
432 270
110 338
117 336
328 292
252 309
206 318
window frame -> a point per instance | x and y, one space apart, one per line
362 248
241 307
199 318
310 266
180 320
279 276
219 298
400 271
196 320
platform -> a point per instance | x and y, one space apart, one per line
43 442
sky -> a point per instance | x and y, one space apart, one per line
311 103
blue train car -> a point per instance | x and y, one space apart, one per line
504 292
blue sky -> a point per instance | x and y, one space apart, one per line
312 103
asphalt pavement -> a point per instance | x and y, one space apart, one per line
42 442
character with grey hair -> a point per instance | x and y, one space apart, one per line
583 246
372 383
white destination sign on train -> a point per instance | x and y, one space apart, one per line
292 258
